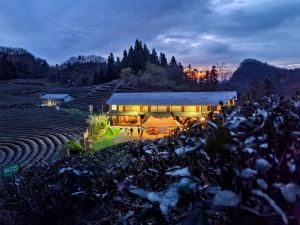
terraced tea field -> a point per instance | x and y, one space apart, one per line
29 134
32 134
98 95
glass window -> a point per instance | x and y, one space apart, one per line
114 107
161 108
135 108
204 108
176 108
190 108
153 108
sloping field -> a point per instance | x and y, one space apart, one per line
29 134
96 96
32 134
25 92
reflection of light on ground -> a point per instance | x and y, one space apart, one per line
125 135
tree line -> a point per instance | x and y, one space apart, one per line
136 59
21 66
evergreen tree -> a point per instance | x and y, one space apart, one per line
124 61
138 62
118 65
111 71
173 62
163 60
146 54
130 56
154 57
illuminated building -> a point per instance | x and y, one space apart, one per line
55 99
133 109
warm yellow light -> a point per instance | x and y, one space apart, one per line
113 107
202 119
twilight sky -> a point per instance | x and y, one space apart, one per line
200 32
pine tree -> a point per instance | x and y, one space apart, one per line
118 65
130 56
163 60
173 62
138 62
146 56
154 57
124 61
111 71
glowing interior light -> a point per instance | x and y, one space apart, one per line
202 119
113 107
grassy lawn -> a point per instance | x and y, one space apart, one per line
107 140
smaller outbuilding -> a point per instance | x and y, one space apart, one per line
55 99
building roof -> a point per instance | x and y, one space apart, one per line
54 96
171 98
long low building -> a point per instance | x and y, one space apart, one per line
129 109
55 99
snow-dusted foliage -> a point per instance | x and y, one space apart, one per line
241 167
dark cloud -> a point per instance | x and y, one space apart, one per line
195 31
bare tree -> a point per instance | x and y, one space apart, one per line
224 71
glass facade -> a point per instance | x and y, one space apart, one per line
176 108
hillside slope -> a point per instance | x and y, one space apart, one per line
250 71
19 63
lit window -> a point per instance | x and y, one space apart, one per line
113 107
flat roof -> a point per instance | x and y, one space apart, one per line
171 98
54 96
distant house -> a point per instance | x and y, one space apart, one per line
55 99
133 109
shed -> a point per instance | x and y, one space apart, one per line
55 99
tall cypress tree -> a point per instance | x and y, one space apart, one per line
173 62
111 71
163 60
154 58
146 55
130 56
118 65
124 62
137 62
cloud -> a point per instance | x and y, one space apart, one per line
195 31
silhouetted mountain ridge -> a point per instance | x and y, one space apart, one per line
285 81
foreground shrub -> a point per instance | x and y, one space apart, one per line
73 148
245 170
97 124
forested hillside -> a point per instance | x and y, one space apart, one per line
18 63
254 79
